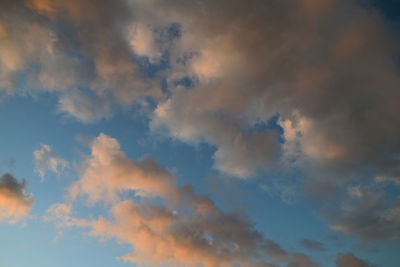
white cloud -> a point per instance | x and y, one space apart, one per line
46 159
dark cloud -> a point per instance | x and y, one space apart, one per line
301 260
365 212
327 69
349 260
312 245
15 204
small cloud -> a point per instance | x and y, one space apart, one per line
312 245
301 260
349 260
46 159
15 204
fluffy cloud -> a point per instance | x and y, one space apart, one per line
315 64
246 73
46 159
38 55
15 204
183 228
349 260
326 69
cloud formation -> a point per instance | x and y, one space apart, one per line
366 213
349 260
15 204
270 85
316 66
182 228
312 245
46 159
89 58
301 260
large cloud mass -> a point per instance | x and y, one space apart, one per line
269 84
326 68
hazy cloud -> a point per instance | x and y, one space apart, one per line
312 245
349 260
46 159
367 213
301 260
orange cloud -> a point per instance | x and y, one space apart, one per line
166 223
14 203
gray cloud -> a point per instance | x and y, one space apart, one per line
301 260
366 213
314 64
312 245
349 260
72 46
325 68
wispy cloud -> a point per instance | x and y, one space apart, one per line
312 245
46 159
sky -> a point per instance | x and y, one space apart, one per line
200 133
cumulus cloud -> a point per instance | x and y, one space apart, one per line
46 159
183 228
222 77
97 57
313 77
15 204
349 260
328 73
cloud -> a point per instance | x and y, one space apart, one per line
313 77
301 260
46 159
238 153
39 55
315 64
349 260
85 108
312 245
366 213
143 41
325 70
15 204
165 223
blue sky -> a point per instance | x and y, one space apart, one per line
215 133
